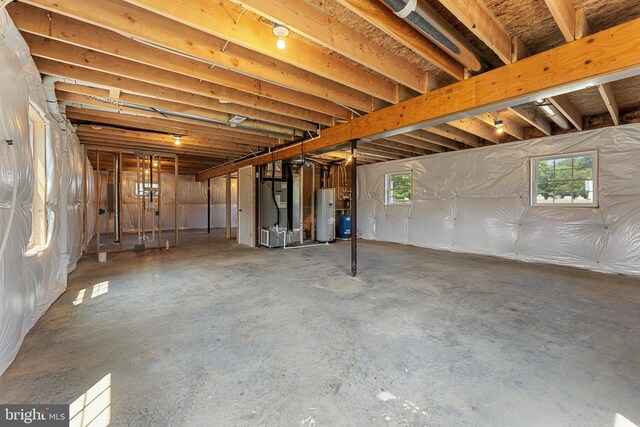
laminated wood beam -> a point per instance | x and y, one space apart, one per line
600 58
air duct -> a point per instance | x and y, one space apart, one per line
553 113
424 19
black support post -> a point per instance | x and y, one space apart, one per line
209 205
354 209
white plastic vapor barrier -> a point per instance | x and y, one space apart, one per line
32 278
192 203
478 201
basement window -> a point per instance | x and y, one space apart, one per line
38 144
565 180
399 188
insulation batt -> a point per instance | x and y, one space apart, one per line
31 281
477 201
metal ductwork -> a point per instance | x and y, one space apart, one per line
424 19
550 111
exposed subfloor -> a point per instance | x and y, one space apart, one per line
212 333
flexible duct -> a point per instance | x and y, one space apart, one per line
4 3
424 19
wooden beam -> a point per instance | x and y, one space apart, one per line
262 129
478 128
213 18
54 68
146 123
195 129
564 14
450 132
315 25
534 118
411 150
582 26
606 91
615 51
518 49
509 126
187 143
145 26
433 138
39 22
71 54
567 109
413 142
475 15
381 17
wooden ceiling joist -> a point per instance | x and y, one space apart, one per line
145 123
213 18
600 58
433 138
606 91
567 109
140 24
475 15
313 24
532 116
381 17
478 128
509 126
92 96
564 14
74 55
57 27
450 132
58 69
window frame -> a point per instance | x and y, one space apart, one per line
387 178
39 134
533 179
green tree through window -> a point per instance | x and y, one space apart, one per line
565 180
399 187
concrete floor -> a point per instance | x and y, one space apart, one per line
216 334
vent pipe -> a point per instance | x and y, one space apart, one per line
424 19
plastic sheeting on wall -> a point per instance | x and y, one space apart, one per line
192 203
30 282
477 201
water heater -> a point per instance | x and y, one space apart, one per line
325 215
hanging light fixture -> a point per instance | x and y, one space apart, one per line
178 137
280 32
499 124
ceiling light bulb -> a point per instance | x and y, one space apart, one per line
499 130
281 43
155 164
177 139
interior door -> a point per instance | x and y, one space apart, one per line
246 201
